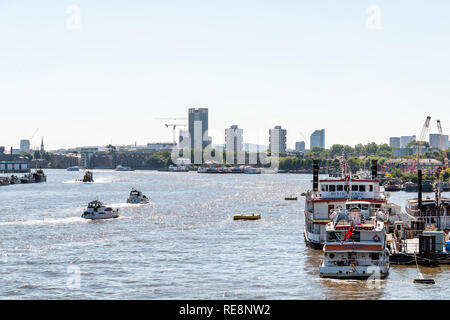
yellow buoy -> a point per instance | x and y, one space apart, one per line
247 216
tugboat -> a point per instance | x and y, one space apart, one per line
355 246
34 177
39 176
88 177
333 193
137 197
97 210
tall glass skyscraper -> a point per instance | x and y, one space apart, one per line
198 128
317 139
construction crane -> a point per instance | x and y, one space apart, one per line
422 136
174 126
443 144
35 131
170 118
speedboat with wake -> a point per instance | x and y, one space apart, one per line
136 197
97 210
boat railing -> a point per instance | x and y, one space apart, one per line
354 262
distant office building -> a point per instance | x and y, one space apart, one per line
234 139
404 140
318 139
300 146
25 145
86 155
435 140
2 150
160 146
198 128
277 140
394 142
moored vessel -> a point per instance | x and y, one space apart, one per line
355 246
330 194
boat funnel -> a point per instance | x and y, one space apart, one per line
419 189
316 176
374 169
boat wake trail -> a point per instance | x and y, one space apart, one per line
43 222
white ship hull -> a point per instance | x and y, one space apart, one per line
356 272
100 216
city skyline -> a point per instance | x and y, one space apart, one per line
123 68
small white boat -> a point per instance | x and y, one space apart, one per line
97 210
136 197
122 168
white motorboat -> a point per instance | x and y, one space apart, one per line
137 197
355 246
122 168
97 210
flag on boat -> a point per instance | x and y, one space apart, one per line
349 233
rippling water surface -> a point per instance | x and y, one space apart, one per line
184 245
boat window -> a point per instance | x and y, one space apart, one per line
370 188
346 188
339 187
362 188
332 188
354 187
375 256
364 207
324 187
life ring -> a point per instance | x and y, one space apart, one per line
376 238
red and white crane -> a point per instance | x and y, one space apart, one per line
420 141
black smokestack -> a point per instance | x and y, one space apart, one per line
316 176
419 189
374 169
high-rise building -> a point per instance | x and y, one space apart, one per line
300 146
198 128
394 142
277 140
435 140
318 139
234 139
25 145
404 140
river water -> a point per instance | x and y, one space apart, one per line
184 245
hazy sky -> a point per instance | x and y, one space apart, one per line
304 65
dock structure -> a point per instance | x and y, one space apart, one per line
14 167
427 246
